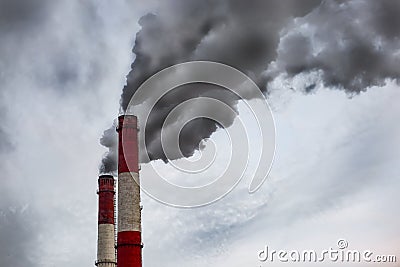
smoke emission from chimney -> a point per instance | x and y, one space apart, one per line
348 43
110 140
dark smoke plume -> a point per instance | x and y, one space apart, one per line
109 139
352 45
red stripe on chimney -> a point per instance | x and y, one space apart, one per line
106 199
128 144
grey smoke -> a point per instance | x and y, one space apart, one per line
109 139
232 32
353 45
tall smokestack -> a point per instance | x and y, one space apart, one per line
106 224
129 240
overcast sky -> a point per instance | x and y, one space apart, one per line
336 173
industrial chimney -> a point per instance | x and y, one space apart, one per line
129 240
106 225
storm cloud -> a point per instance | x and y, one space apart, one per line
49 59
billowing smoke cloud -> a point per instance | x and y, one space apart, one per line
352 45
109 139
231 32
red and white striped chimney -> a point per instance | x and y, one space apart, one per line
106 225
129 240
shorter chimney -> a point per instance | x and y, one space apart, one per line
106 224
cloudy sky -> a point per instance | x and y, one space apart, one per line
329 71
